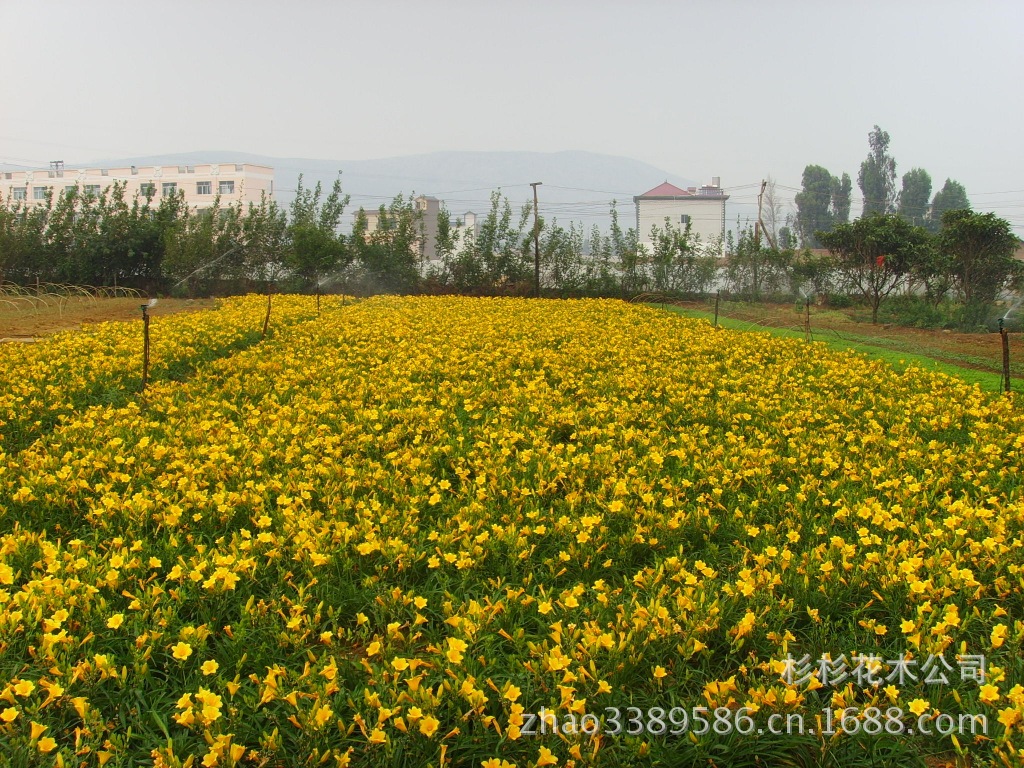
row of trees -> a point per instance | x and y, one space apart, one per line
165 246
824 200
106 239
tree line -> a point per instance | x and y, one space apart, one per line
824 200
964 259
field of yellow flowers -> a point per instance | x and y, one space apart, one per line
392 533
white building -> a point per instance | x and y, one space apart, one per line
703 208
201 184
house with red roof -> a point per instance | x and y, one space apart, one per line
700 208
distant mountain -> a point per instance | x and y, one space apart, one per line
577 186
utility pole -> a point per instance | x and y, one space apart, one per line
536 240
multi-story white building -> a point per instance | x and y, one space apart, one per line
703 208
201 184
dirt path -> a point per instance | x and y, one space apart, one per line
23 321
979 351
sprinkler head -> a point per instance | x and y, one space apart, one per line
1000 325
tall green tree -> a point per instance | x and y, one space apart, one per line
877 177
981 248
815 212
842 195
389 252
914 196
952 197
316 247
265 240
875 253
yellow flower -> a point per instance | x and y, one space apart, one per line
9 715
1009 717
428 725
919 706
989 694
659 672
456 649
115 621
999 635
210 667
181 651
24 687
46 745
546 757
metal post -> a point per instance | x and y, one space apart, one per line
807 319
718 295
536 240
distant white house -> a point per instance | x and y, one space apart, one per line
703 208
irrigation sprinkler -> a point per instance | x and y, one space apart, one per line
145 341
807 319
1006 355
718 295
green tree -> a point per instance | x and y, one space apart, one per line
917 189
265 241
875 253
980 247
389 252
877 177
561 253
316 248
754 269
952 197
815 212
627 255
842 194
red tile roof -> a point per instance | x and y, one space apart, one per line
667 190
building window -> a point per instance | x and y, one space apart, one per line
39 193
69 189
238 167
19 193
226 188
170 188
684 219
92 189
204 187
147 189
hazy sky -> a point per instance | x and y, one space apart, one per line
738 90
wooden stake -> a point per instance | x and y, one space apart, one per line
1006 356
145 346
266 320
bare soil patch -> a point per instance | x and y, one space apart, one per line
22 320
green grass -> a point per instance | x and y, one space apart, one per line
899 359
